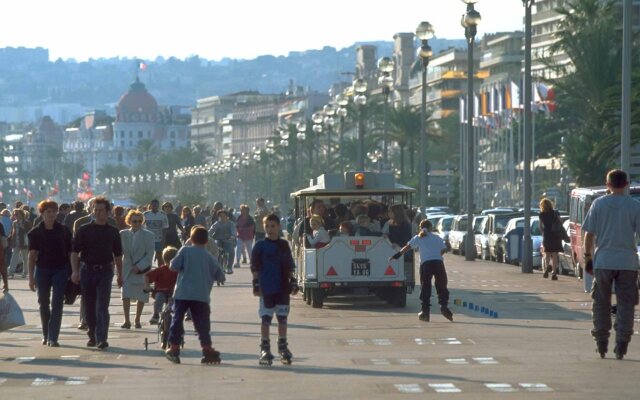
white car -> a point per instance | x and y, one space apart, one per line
457 234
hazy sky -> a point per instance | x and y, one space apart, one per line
215 29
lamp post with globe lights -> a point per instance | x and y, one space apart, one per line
385 80
470 21
360 99
342 100
329 111
424 32
301 136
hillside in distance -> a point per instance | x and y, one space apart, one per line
28 77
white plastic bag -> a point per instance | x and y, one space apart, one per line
10 313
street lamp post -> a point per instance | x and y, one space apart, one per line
470 21
360 88
317 119
527 244
385 67
342 101
329 121
424 32
625 139
301 136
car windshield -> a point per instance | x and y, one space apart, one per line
446 224
535 228
462 225
501 224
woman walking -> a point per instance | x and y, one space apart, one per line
188 221
138 248
49 269
21 226
552 236
174 226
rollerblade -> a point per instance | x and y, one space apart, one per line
423 315
285 353
266 358
210 356
444 310
621 350
602 347
173 354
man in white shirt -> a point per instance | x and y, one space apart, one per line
156 221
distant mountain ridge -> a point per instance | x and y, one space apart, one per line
28 77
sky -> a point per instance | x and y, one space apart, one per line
241 29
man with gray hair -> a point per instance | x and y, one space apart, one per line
612 224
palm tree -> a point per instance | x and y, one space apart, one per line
404 129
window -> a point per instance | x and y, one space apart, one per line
130 134
122 142
120 154
173 143
139 134
148 134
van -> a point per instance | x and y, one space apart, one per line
579 204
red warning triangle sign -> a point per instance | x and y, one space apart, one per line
332 272
389 271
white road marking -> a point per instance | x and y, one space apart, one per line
2 380
72 357
501 387
444 387
450 341
355 342
421 342
408 361
457 361
25 359
485 360
380 361
43 382
536 387
409 388
381 342
77 380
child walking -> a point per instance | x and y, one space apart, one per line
431 248
273 281
197 270
164 279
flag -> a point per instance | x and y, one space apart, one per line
142 65
515 95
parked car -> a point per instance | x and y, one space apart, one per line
444 227
435 219
498 210
482 237
517 225
457 234
566 265
579 205
495 231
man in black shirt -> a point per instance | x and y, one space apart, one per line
97 246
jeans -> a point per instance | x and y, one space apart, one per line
226 247
428 270
242 245
626 283
50 280
160 300
96 292
201 321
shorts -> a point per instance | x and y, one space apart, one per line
277 303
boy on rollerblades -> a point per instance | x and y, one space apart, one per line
272 267
197 270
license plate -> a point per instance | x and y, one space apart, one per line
360 268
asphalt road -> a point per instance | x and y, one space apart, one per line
528 339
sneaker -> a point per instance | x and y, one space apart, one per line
91 343
237 265
187 317
154 319
126 325
546 274
230 271
602 347
173 355
82 326
244 260
554 277
102 345
54 344
620 349
444 310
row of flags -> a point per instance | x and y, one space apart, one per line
507 97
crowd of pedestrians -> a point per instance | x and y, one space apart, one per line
184 251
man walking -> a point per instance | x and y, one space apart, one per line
156 221
98 246
612 224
